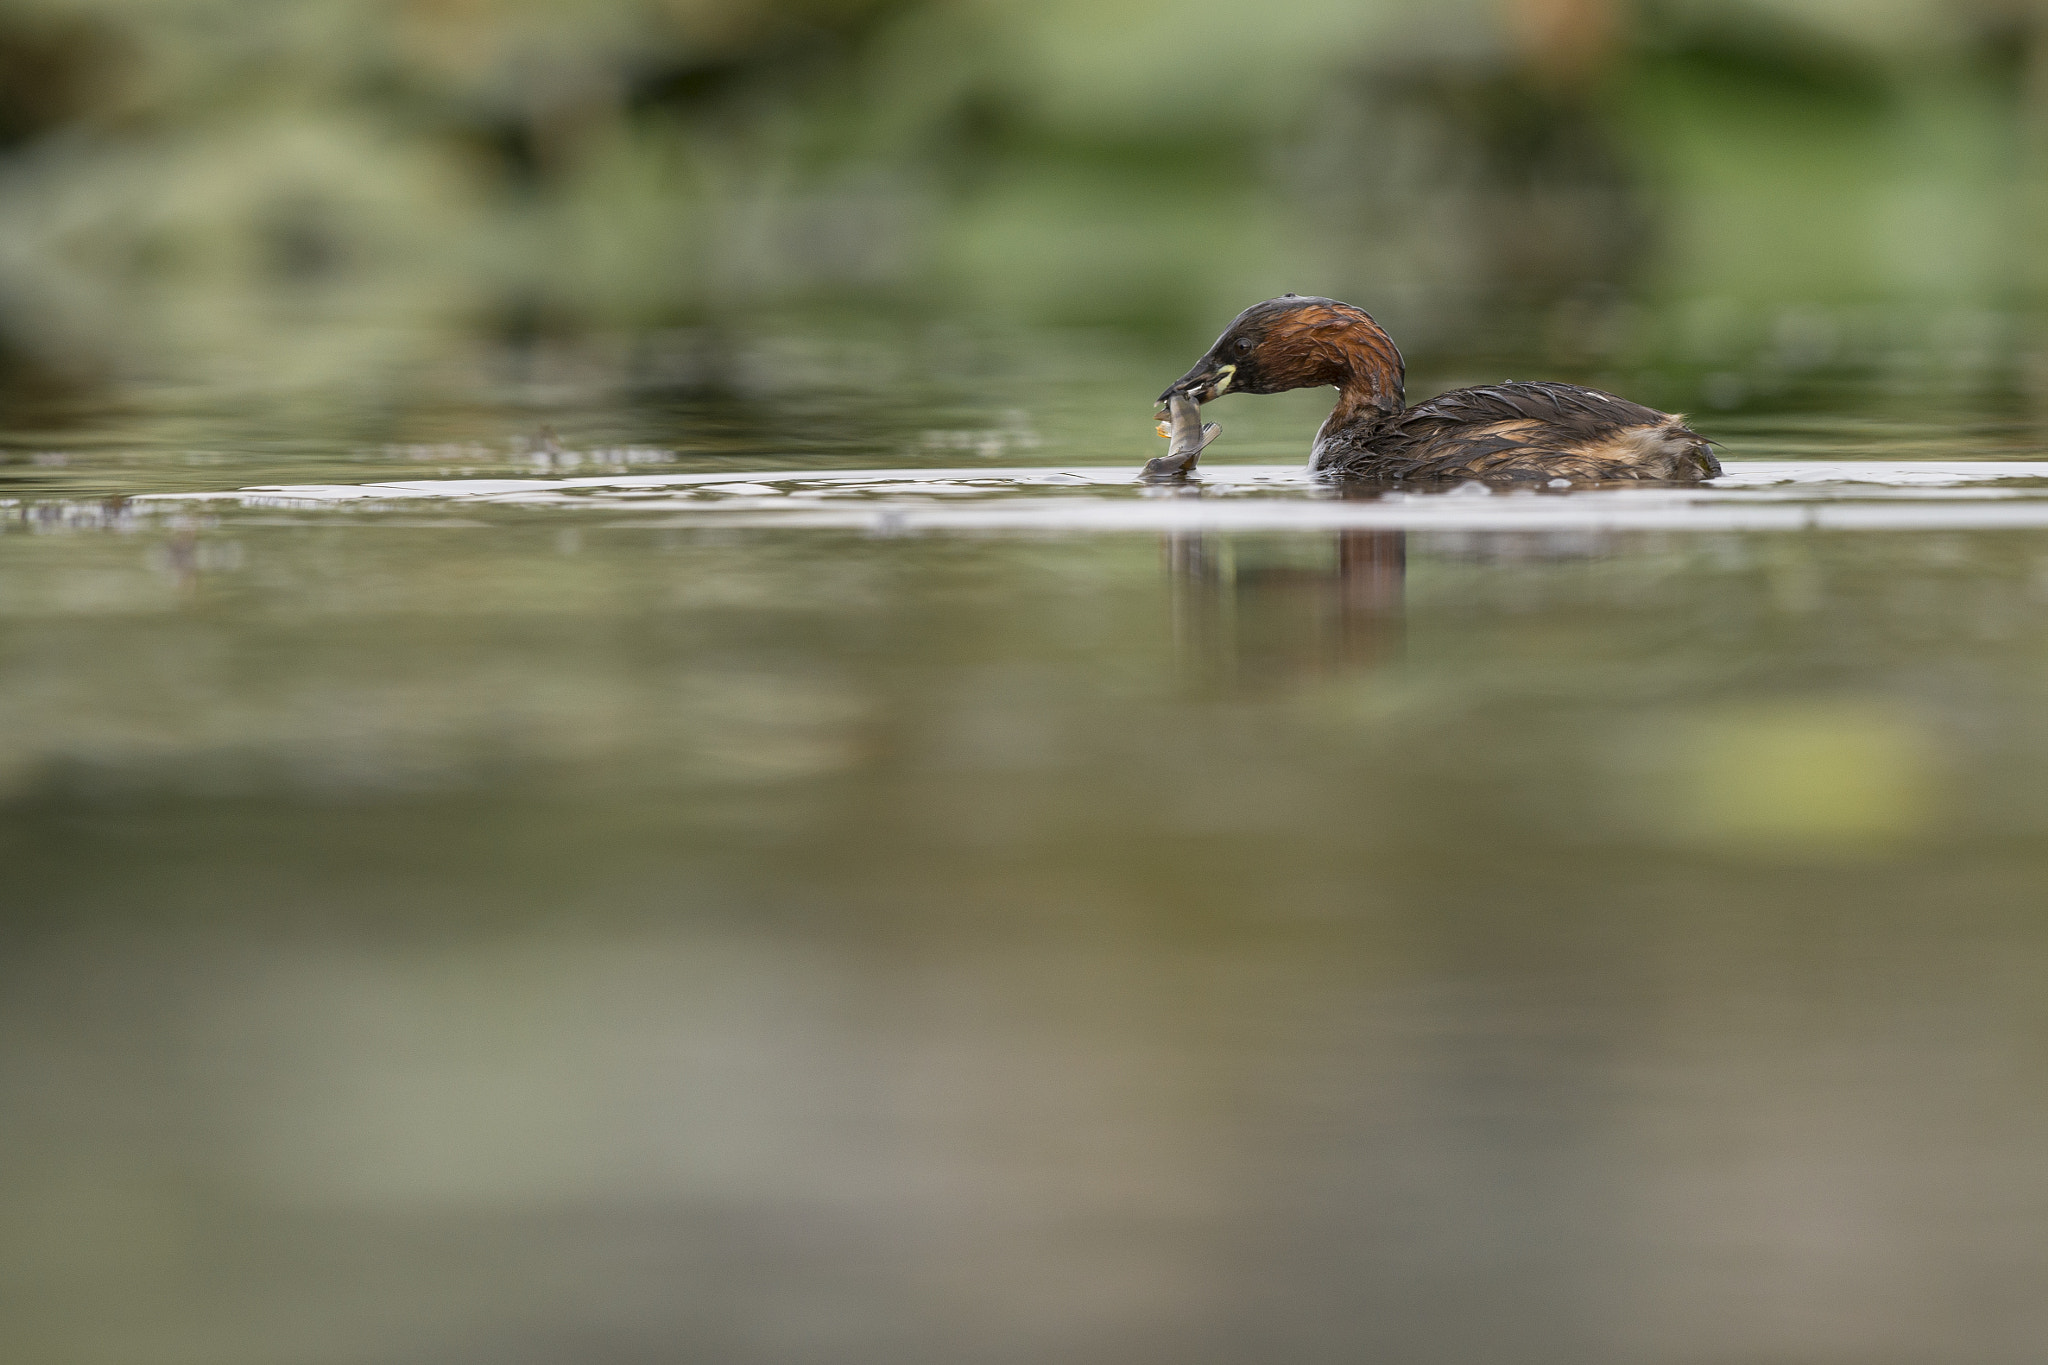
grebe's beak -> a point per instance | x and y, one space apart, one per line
1205 383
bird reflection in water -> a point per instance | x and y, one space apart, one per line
1251 608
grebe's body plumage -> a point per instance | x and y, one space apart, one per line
1515 432
1520 431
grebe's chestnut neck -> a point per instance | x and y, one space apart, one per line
1300 343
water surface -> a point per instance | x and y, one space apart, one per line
537 859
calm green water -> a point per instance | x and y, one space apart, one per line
799 922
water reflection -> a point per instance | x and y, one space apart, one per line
1250 607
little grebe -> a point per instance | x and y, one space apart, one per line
1517 431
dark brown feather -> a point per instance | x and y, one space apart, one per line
1520 431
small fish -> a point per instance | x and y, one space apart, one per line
1189 437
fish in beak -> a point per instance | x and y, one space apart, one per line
1187 438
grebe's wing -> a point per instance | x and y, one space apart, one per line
1583 412
1527 431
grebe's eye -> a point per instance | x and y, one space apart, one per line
1243 344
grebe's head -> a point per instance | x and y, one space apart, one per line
1298 343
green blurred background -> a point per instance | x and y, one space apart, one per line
188 179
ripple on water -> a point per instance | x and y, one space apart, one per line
1752 495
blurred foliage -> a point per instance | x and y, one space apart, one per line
188 177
